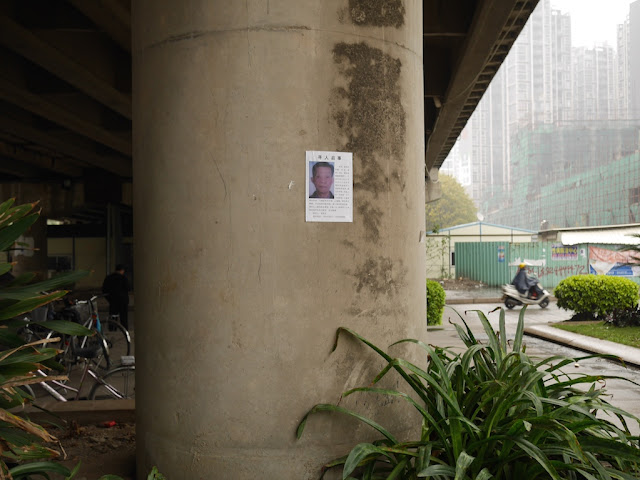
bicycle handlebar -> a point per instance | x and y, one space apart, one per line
95 297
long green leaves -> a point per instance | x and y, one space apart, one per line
492 412
21 440
27 470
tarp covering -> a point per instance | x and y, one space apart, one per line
609 262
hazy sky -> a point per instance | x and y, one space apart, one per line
594 20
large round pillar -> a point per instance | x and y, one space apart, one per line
237 297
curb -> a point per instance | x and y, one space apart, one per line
459 301
624 353
83 411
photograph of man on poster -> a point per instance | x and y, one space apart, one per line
322 180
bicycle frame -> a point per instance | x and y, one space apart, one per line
81 352
55 394
92 322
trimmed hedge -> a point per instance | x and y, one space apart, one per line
436 298
596 295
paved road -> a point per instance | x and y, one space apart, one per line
623 394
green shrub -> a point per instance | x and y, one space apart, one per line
492 412
596 295
436 298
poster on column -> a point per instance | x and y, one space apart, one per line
329 191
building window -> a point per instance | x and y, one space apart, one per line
59 263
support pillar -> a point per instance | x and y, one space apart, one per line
238 298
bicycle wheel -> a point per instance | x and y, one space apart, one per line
118 383
118 341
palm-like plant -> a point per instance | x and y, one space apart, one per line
21 441
493 412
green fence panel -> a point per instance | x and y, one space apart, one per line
551 262
496 263
486 262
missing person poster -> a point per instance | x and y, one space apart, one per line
329 188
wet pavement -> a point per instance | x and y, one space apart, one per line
474 293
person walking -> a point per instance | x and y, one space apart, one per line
116 287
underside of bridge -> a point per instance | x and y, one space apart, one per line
65 89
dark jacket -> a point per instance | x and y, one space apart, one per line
523 282
116 286
317 195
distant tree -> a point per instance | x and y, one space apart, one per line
454 208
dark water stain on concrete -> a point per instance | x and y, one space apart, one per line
400 179
381 276
371 220
369 114
371 121
349 244
377 13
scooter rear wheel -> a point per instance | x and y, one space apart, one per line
510 303
544 303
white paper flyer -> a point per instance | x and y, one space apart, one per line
329 188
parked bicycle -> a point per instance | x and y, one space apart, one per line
31 330
115 383
85 312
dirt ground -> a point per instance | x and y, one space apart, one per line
100 449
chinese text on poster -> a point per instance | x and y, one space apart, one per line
329 186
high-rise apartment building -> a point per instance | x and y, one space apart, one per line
553 112
623 91
594 85
561 73
532 87
460 167
634 59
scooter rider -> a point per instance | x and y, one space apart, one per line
526 284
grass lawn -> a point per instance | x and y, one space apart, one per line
625 335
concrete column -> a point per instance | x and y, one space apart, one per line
238 298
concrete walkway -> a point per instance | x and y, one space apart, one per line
537 325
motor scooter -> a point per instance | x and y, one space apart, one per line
512 297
